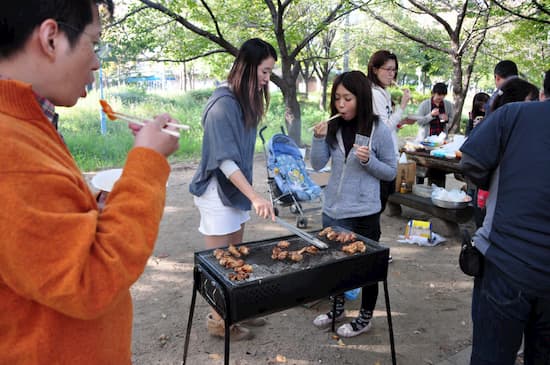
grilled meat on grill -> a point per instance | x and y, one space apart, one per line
357 246
234 251
283 244
244 250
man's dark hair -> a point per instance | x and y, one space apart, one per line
506 68
439 88
19 18
546 84
514 90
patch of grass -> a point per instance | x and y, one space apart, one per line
81 125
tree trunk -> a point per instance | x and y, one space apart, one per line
293 116
324 85
458 94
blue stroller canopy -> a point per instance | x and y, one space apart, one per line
286 164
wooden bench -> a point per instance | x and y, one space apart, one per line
446 220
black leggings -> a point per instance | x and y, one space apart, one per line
367 226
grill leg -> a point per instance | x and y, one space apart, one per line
226 341
333 314
190 320
390 326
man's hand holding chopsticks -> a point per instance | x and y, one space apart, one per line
151 136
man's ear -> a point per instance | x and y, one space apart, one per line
48 37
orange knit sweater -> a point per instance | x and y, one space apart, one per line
66 268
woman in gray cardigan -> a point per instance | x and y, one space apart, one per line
361 150
222 185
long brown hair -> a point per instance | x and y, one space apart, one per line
243 79
356 83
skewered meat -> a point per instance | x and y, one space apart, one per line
219 253
238 276
332 235
312 250
278 254
282 255
344 237
244 250
275 252
325 231
234 251
283 244
357 246
231 262
245 268
296 256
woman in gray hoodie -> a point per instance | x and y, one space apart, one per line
361 149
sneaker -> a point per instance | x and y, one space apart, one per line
325 320
347 330
254 322
216 328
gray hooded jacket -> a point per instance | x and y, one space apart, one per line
353 189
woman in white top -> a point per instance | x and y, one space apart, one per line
382 73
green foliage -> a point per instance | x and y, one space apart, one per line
81 126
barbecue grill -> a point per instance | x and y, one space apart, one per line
277 285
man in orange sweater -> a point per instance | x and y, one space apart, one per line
66 266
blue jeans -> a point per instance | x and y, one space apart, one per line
502 314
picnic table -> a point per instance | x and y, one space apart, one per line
435 169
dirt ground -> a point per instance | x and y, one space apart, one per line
429 296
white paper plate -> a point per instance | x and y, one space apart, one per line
104 180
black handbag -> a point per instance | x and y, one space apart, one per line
470 259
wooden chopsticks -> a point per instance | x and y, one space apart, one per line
112 115
324 121
132 119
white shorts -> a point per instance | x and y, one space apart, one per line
216 218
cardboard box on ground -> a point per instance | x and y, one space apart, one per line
405 171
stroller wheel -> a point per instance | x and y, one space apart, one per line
276 211
301 222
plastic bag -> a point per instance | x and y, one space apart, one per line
352 294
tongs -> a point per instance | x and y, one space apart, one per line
304 235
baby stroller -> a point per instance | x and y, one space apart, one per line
287 177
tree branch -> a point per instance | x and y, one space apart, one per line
123 19
530 17
329 19
434 15
193 28
406 34
277 19
213 18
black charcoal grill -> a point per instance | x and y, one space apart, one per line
277 285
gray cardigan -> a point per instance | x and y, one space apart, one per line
425 111
225 138
353 189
